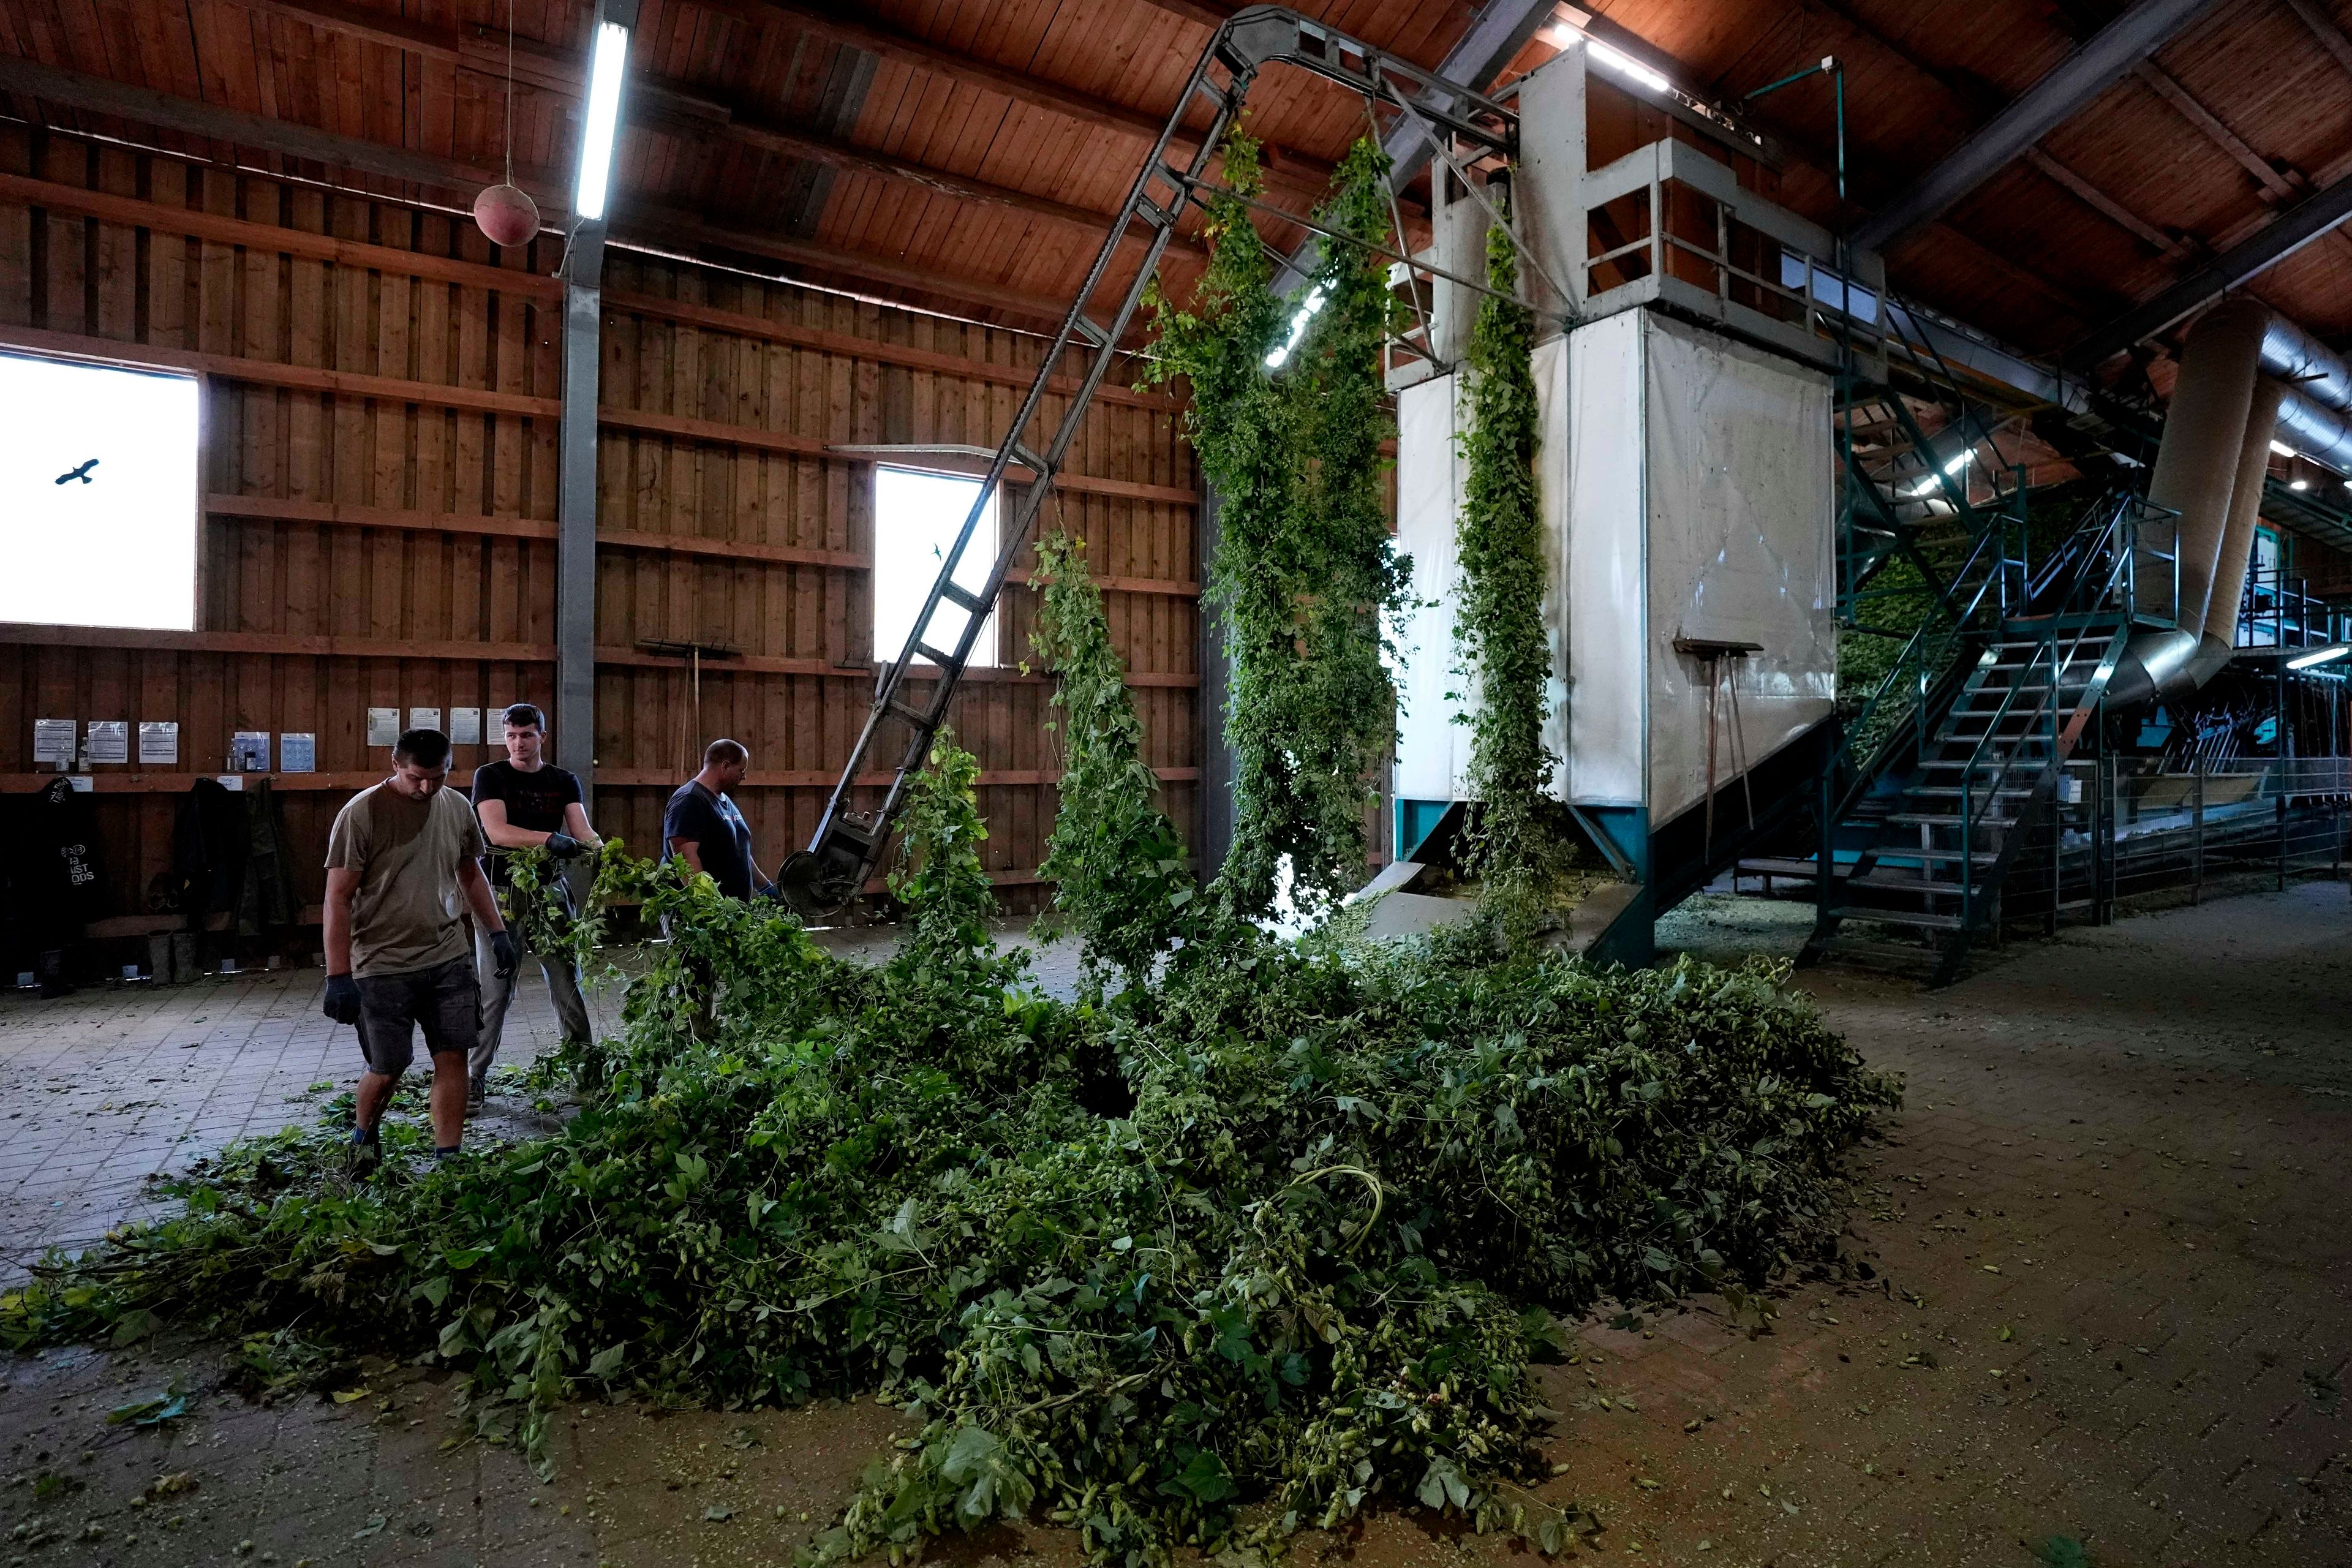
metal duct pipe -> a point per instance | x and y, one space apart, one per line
2217 639
2316 408
2198 466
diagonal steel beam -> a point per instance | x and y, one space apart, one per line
1496 35
2044 107
2297 226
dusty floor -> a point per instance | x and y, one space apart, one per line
2115 1309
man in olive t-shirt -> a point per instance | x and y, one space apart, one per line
404 866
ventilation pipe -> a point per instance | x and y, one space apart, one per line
2209 470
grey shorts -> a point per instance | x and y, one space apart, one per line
446 999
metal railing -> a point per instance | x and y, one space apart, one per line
2279 611
2141 826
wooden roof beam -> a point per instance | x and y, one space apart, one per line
562 71
650 229
103 95
483 49
1978 99
2276 186
2322 27
2066 89
1283 164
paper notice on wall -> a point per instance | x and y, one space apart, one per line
383 726
464 726
424 718
231 781
107 740
82 783
158 742
53 741
298 752
248 751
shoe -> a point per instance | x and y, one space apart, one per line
477 1092
366 1157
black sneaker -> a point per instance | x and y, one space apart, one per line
366 1157
477 1091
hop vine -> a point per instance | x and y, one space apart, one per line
1305 576
1121 879
1499 636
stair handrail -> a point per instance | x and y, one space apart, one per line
2117 531
1858 773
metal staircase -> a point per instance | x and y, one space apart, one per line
2000 698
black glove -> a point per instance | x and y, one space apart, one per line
342 999
507 957
564 847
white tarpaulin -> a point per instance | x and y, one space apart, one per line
1605 551
1433 751
1740 515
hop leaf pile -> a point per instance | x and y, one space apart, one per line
1288 1228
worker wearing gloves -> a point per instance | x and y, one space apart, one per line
526 803
404 866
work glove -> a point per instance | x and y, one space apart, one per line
507 957
342 999
564 847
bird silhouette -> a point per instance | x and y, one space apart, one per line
82 473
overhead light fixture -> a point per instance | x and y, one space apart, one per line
2284 450
1560 35
1954 466
1275 359
2319 655
2298 484
1627 67
608 65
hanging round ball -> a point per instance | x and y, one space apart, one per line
507 214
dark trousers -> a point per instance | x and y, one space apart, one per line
445 1000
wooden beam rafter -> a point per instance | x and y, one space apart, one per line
656 229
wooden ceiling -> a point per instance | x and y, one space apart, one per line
962 155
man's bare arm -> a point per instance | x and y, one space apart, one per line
484 903
342 886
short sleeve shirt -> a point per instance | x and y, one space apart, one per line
533 800
409 912
719 833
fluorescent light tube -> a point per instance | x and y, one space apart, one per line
1626 66
2298 484
2284 450
2319 655
602 119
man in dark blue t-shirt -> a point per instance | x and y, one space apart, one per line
703 827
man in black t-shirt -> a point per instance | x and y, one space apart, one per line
702 827
526 803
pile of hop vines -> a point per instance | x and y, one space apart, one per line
1283 1226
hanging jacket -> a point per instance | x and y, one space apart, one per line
210 840
60 873
266 894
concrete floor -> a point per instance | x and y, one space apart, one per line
2114 1307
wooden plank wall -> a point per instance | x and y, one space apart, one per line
379 464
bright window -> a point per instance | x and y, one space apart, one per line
916 519
98 495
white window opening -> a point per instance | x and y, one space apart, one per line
917 516
98 495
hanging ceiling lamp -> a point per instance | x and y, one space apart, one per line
505 213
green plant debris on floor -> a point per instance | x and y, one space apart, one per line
1286 1227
